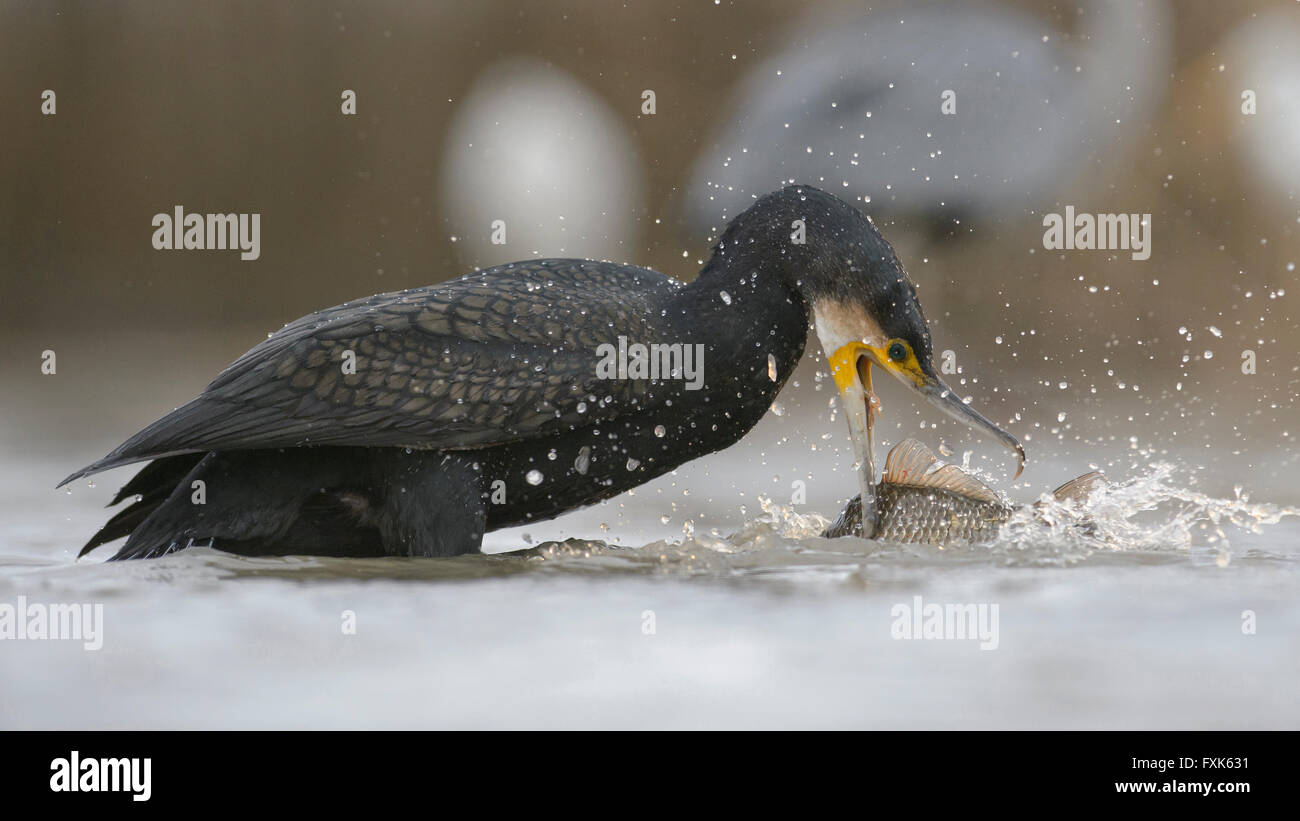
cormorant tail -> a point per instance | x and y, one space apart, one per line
302 501
151 485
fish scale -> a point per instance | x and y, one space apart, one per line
927 516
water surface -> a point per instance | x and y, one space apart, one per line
757 622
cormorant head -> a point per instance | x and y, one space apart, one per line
861 302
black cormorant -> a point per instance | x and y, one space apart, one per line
411 423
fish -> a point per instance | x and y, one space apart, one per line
920 500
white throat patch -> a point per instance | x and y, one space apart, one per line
838 324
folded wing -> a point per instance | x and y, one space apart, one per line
504 354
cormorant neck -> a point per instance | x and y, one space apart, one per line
744 282
748 315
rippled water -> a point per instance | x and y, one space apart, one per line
1137 622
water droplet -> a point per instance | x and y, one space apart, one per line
726 297
633 464
771 367
534 477
660 430
583 461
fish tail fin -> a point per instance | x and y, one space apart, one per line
1080 488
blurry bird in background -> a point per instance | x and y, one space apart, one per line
1263 55
534 148
856 103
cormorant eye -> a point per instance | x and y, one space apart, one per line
897 352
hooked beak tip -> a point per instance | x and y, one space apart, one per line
947 400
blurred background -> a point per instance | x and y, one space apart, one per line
536 114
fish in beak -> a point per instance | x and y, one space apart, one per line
853 343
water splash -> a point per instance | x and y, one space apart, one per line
1152 512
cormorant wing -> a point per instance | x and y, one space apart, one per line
501 355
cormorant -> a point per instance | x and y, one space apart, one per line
411 423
